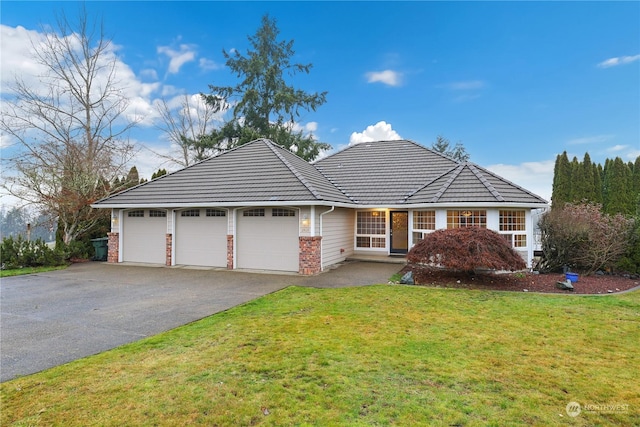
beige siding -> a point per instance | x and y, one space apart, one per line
337 234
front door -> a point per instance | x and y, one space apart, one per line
399 232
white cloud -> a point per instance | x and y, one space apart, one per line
590 139
149 73
464 90
466 85
388 77
17 60
178 58
207 64
381 131
536 177
616 148
15 44
618 60
306 128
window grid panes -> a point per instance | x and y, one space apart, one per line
371 223
216 212
371 229
424 220
153 213
282 212
512 221
253 212
466 218
136 214
190 212
520 241
516 240
378 242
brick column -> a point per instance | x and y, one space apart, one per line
113 247
230 251
169 246
310 255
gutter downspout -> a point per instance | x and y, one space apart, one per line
322 237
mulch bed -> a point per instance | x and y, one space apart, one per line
522 282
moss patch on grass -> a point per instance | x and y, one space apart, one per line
373 355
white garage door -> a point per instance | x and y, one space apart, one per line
268 239
201 237
144 236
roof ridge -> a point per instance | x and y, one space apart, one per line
456 171
495 193
333 183
507 181
293 169
428 183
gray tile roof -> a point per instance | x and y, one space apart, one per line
259 171
372 173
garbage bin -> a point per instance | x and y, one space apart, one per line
101 247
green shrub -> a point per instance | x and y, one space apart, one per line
20 253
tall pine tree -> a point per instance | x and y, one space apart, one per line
561 191
617 195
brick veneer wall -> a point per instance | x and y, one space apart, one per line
168 249
310 255
113 247
230 251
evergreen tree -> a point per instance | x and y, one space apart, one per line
133 178
589 189
264 105
159 173
617 197
578 187
635 186
597 183
561 191
443 146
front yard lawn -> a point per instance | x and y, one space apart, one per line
375 355
29 270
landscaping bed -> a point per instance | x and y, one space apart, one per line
522 282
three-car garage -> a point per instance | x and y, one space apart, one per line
264 239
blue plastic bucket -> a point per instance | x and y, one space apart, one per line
573 277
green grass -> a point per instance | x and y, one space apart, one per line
376 355
29 270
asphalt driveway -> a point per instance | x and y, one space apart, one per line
52 318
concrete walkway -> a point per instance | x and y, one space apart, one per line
52 318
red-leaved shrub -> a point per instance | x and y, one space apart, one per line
466 249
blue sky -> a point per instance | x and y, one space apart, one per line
516 82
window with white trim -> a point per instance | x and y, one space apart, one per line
155 213
190 212
424 222
466 218
514 222
216 212
253 212
371 229
136 214
282 212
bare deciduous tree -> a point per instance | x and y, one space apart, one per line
69 133
185 125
